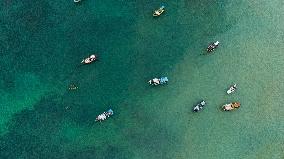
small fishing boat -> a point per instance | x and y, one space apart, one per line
199 106
231 106
72 87
158 81
212 46
159 11
232 89
76 1
104 115
89 59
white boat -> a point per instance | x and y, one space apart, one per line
76 1
199 106
212 46
104 115
89 59
159 11
232 89
158 81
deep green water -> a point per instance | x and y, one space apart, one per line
43 42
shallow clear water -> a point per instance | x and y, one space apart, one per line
42 44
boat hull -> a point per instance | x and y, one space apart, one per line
104 115
159 12
231 106
199 106
89 59
232 89
158 81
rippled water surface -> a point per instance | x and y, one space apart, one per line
43 42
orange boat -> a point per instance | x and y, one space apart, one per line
231 106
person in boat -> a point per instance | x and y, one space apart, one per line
232 89
89 59
154 81
158 12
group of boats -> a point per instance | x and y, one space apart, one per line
197 108
201 104
211 46
226 107
154 82
164 80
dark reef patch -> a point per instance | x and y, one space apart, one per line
34 134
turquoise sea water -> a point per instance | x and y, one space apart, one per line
43 43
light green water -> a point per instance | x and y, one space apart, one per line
42 44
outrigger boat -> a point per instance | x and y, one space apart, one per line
212 46
104 115
199 106
231 106
158 81
159 11
232 89
89 59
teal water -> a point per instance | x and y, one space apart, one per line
43 43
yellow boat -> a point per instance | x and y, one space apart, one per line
159 11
